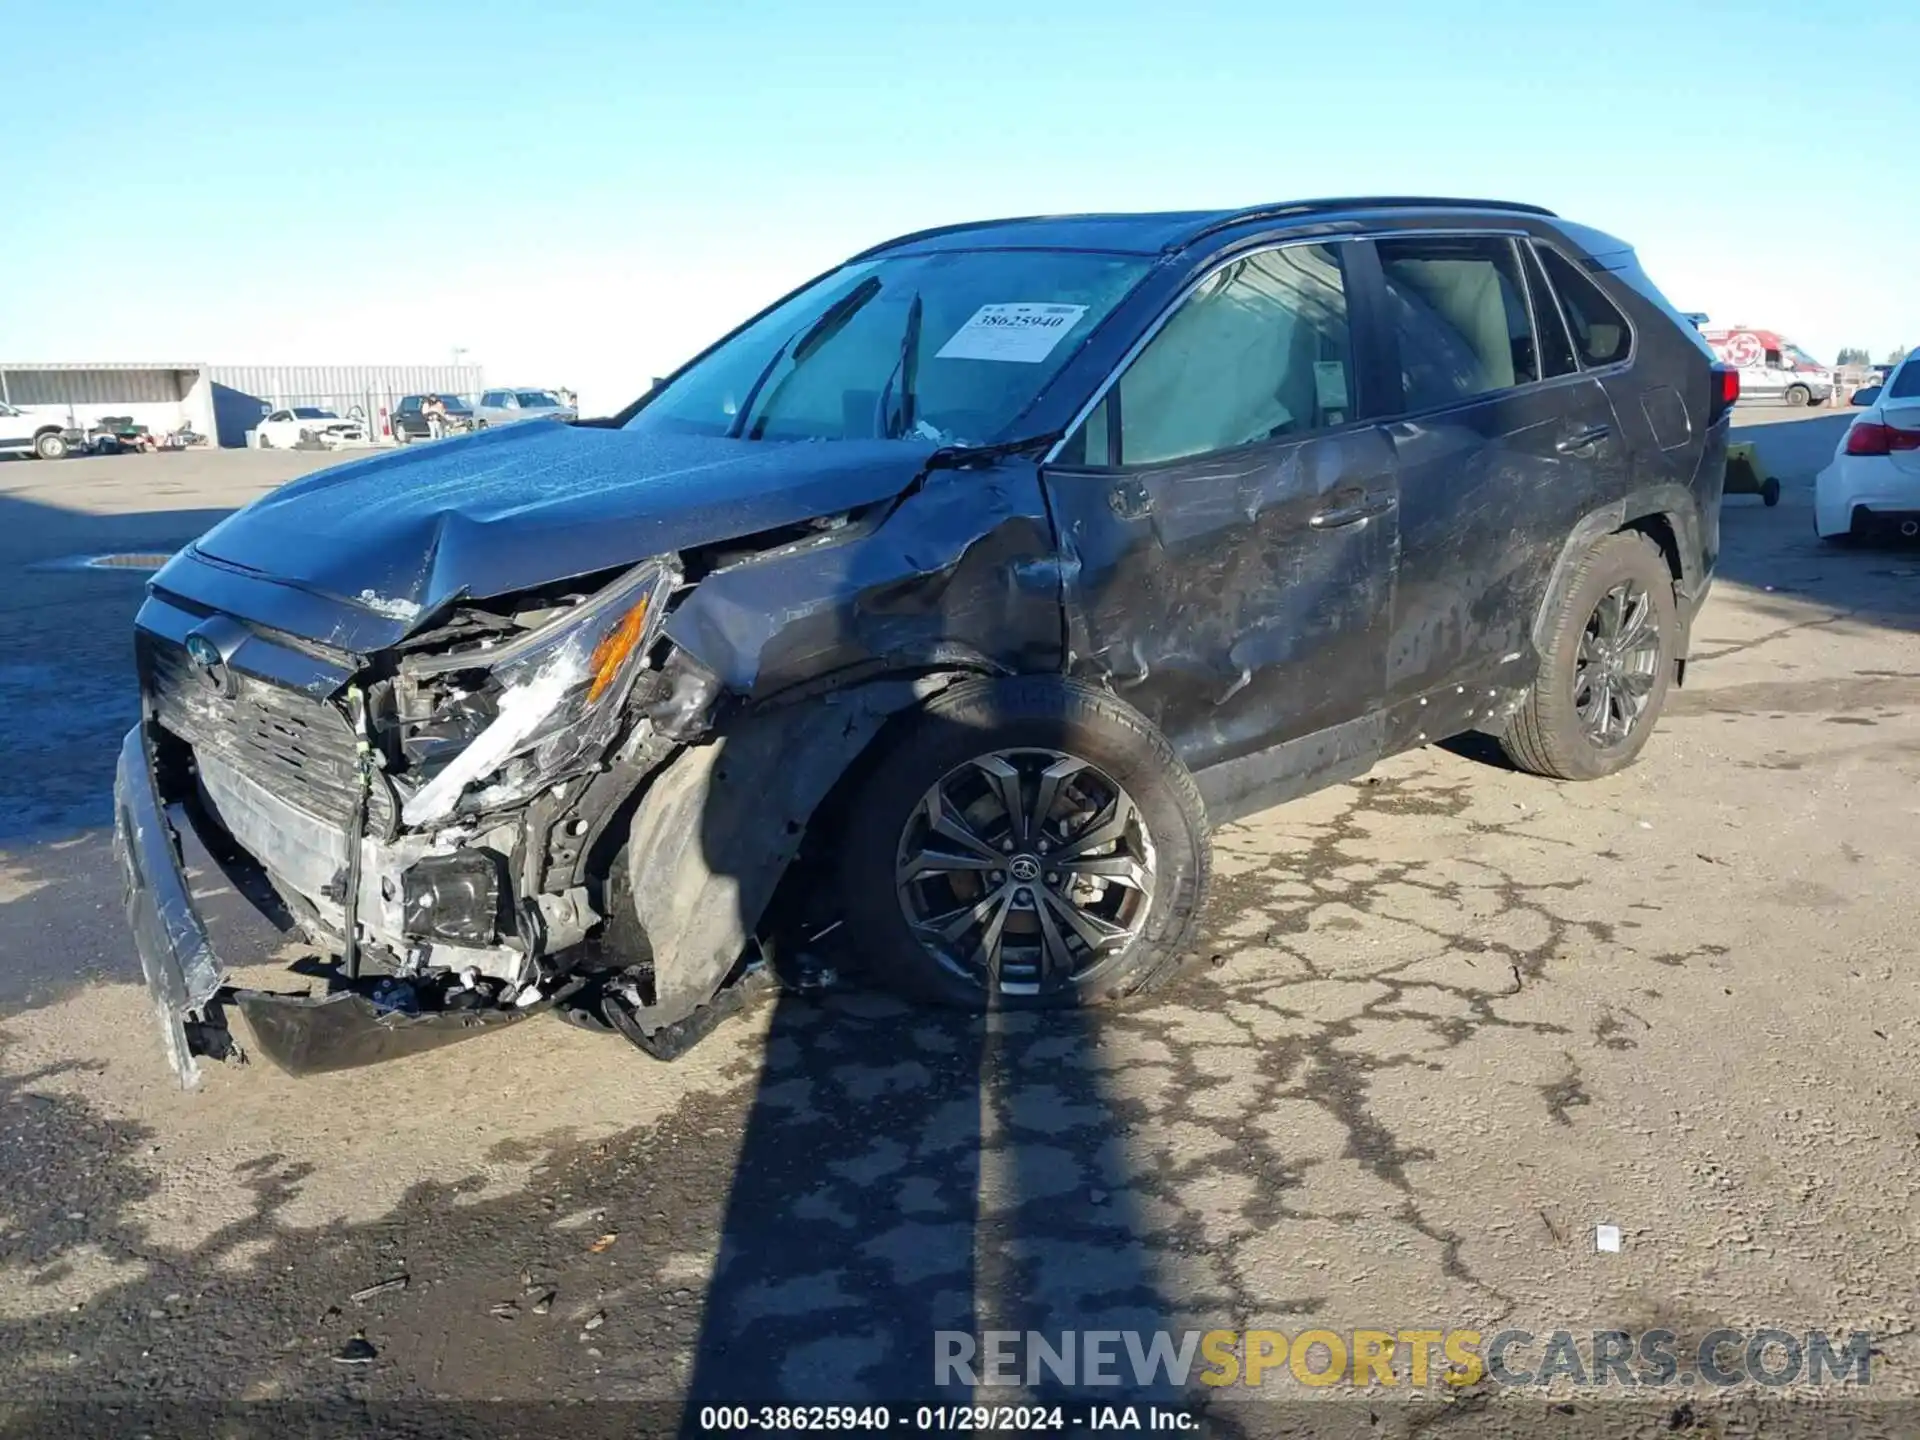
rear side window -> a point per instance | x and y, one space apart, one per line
1458 307
1601 334
1905 384
1259 351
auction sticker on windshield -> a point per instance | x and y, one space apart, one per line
1023 332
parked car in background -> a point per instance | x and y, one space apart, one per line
409 424
1771 366
1873 482
46 434
305 425
1106 531
504 407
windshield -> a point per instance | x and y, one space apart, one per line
534 398
1802 360
307 412
950 347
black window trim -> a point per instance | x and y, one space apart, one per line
1539 269
1358 314
1592 275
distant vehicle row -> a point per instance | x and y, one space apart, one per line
496 407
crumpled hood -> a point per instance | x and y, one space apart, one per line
377 544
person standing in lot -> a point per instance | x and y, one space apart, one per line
434 409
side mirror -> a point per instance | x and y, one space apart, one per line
1866 395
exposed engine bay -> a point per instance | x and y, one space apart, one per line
500 815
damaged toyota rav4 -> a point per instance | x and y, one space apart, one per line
921 629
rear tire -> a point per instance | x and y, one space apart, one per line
1770 493
1076 761
50 446
1553 733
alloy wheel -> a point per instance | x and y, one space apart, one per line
1025 871
1617 664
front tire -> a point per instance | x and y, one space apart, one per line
1799 395
1605 668
1029 843
50 446
1770 493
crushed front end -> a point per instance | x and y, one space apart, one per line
422 814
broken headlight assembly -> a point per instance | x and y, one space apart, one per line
520 715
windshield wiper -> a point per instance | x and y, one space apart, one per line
956 457
907 368
798 352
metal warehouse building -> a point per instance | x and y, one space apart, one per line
224 401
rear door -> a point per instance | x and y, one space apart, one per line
1503 443
1228 518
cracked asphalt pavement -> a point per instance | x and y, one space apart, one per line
1448 1019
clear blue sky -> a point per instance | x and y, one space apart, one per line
582 193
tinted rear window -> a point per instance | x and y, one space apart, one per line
1906 382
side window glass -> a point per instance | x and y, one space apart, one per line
1556 345
1260 351
1601 334
1458 308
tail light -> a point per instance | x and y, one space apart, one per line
1726 390
1870 437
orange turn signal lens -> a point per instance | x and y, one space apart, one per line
614 648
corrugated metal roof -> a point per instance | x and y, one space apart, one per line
21 365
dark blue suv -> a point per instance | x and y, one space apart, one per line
939 610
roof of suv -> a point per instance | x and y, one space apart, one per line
1159 233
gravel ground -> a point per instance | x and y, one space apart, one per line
1454 1018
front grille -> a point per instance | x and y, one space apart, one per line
297 748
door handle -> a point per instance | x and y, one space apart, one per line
1584 439
1351 512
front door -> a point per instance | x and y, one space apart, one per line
1228 522
1503 445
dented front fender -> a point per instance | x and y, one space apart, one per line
722 822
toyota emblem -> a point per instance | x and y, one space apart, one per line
212 667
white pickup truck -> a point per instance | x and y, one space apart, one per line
37 431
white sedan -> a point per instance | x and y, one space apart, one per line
1874 480
306 424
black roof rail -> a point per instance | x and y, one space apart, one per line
1293 208
954 229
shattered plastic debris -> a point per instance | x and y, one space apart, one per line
384 1287
356 1352
1606 1238
520 712
595 1320
391 609
604 1243
545 1303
